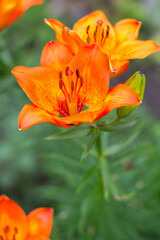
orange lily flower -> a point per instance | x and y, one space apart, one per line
119 42
60 92
10 10
16 225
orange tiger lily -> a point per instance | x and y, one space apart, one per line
10 10
16 225
59 91
119 42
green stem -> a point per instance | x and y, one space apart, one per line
104 169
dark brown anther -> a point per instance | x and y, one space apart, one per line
87 29
72 85
16 230
60 80
103 33
81 81
77 73
107 31
94 34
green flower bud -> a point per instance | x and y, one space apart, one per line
137 82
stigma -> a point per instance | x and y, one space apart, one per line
99 35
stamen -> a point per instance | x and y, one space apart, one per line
1 238
81 81
107 31
71 101
77 73
60 80
88 37
102 33
106 36
87 29
72 85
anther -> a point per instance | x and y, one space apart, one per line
81 81
16 230
87 29
77 73
103 33
72 85
1 238
107 31
60 80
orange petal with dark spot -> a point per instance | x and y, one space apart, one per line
41 84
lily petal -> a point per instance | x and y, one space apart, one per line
40 84
127 29
72 40
136 49
119 96
40 222
57 26
38 238
90 20
56 55
117 67
31 115
29 3
12 10
12 216
93 66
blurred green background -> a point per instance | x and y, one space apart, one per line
38 173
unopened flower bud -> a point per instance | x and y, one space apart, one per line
137 83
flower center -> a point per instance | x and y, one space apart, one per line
99 35
70 102
8 233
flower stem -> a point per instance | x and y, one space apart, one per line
108 186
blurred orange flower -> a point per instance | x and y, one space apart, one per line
119 42
14 224
10 10
63 85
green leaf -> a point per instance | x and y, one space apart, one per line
93 137
77 132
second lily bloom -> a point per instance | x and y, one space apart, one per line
119 42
